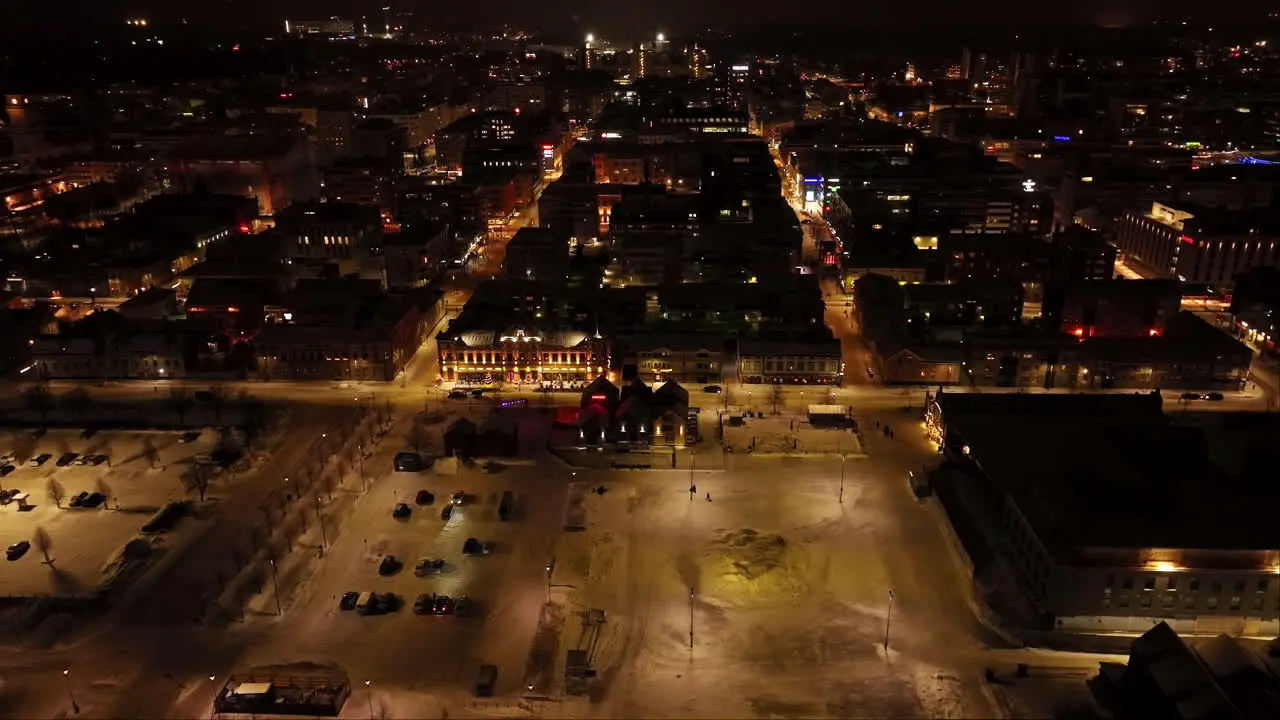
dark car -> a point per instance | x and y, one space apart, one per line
446 512
506 505
93 500
189 436
426 566
485 680
463 606
458 498
7 496
6 470
1190 396
390 565
40 459
443 605
457 395
472 546
424 497
89 432
401 511
78 500
424 604
713 389
381 603
1214 396
408 462
348 601
479 393
66 459
96 460
17 549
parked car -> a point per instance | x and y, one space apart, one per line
348 601
1214 396
424 604
446 512
66 459
463 606
40 459
443 605
7 496
96 460
712 389
5 470
1190 396
17 549
506 505
390 565
94 500
401 511
458 498
189 436
457 395
408 462
427 566
424 497
473 547
78 500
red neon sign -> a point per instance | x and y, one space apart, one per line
598 397
1188 240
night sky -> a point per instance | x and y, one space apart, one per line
618 16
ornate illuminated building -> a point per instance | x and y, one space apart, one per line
552 358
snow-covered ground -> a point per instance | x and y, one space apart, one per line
84 541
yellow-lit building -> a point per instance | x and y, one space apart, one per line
523 356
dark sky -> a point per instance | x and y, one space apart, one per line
637 17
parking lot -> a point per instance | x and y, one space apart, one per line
437 654
139 475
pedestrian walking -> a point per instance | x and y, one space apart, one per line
708 497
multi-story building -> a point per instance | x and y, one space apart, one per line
1198 245
689 359
790 362
537 254
345 234
277 170
520 355
1111 308
1093 507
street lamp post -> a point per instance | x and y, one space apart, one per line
887 617
842 456
213 709
324 533
275 585
692 487
690 618
360 452
368 695
75 707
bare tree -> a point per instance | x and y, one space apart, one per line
196 478
24 447
78 401
56 491
44 544
417 437
101 487
179 401
253 418
218 400
38 398
775 396
150 452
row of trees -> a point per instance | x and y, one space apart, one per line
179 401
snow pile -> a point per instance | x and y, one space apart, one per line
940 694
744 566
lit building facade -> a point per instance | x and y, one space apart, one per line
522 356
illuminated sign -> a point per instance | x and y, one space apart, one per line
1029 185
610 136
897 198
740 68
813 180
1062 138
1188 240
598 397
